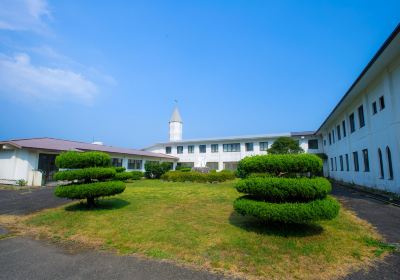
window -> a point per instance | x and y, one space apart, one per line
190 149
185 164
179 149
202 149
361 119
231 165
344 128
212 165
352 123
263 146
168 150
335 164
234 147
214 148
331 164
313 144
347 163
339 136
355 158
381 103
381 169
374 108
333 135
390 165
249 147
134 164
366 160
116 162
330 139
324 142
341 163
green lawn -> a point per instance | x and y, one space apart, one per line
195 224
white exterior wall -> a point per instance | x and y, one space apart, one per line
380 131
175 131
125 159
200 159
17 164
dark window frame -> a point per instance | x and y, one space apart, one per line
179 149
202 149
381 103
361 117
231 147
263 146
356 162
366 160
341 163
313 144
190 149
214 148
344 128
168 150
374 108
249 147
381 167
352 123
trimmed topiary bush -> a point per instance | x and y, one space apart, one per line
194 176
280 164
273 198
119 169
123 176
91 175
137 175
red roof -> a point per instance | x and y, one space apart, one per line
53 144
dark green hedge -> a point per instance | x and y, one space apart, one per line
92 190
73 160
321 209
276 164
123 176
119 169
137 175
98 173
275 189
193 176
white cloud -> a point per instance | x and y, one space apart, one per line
21 79
24 15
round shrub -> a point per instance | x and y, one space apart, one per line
320 209
90 191
277 164
119 169
275 189
123 176
87 174
137 175
73 160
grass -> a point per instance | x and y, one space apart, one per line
194 224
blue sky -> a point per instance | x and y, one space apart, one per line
110 70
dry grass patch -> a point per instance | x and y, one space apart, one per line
195 224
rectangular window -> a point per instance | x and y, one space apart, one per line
331 164
168 150
324 142
214 148
339 135
263 146
212 165
179 149
361 119
355 158
333 135
134 164
234 147
344 128
185 164
230 165
374 108
116 162
249 147
341 163
347 163
313 144
202 149
381 103
190 149
352 123
366 160
335 164
330 139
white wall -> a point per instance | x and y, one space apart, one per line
381 130
17 164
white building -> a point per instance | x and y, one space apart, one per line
33 160
361 135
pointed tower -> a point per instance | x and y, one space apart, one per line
175 126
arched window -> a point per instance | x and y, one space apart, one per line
382 172
389 160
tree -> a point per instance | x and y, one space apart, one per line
285 145
154 169
90 175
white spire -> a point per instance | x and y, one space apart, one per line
176 116
175 126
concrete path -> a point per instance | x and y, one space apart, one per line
386 218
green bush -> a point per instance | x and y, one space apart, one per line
277 164
193 176
185 169
320 209
123 176
73 160
119 169
137 175
90 191
275 189
87 174
154 169
285 145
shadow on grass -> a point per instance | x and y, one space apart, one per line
102 204
278 229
